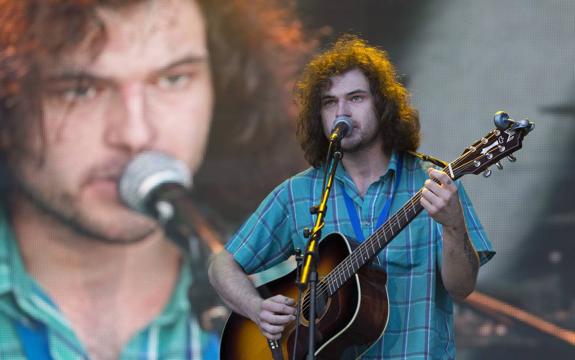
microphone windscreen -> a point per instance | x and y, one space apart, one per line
343 119
147 172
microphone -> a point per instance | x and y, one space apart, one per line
157 185
153 183
342 127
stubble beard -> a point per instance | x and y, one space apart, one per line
364 142
64 210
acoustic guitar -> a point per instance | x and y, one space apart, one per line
352 304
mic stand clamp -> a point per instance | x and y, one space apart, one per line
309 276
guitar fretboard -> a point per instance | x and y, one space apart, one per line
477 157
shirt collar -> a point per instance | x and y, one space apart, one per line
342 175
13 275
14 278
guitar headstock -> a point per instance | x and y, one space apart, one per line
499 143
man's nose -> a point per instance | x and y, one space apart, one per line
343 108
129 125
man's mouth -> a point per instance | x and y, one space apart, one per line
104 179
103 186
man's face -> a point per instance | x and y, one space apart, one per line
150 88
349 94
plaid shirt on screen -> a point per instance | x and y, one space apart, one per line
174 334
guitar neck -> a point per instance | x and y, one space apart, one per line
474 160
374 244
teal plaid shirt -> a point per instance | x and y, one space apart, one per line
420 322
174 334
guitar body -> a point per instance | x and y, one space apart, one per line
356 314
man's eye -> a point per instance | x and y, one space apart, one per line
176 81
79 93
328 102
357 98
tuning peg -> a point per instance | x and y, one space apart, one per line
512 158
499 166
502 120
487 173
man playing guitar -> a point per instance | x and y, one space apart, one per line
432 262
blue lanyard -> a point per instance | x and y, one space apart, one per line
34 340
352 212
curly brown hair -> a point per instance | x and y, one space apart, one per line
256 47
398 120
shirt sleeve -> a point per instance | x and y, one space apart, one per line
264 239
475 230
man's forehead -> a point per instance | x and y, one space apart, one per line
139 38
348 81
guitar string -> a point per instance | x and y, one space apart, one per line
323 288
362 251
343 268
413 201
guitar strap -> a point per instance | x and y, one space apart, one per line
352 212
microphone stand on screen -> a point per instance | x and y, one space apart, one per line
187 228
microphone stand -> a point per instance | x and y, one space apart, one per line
179 226
309 276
